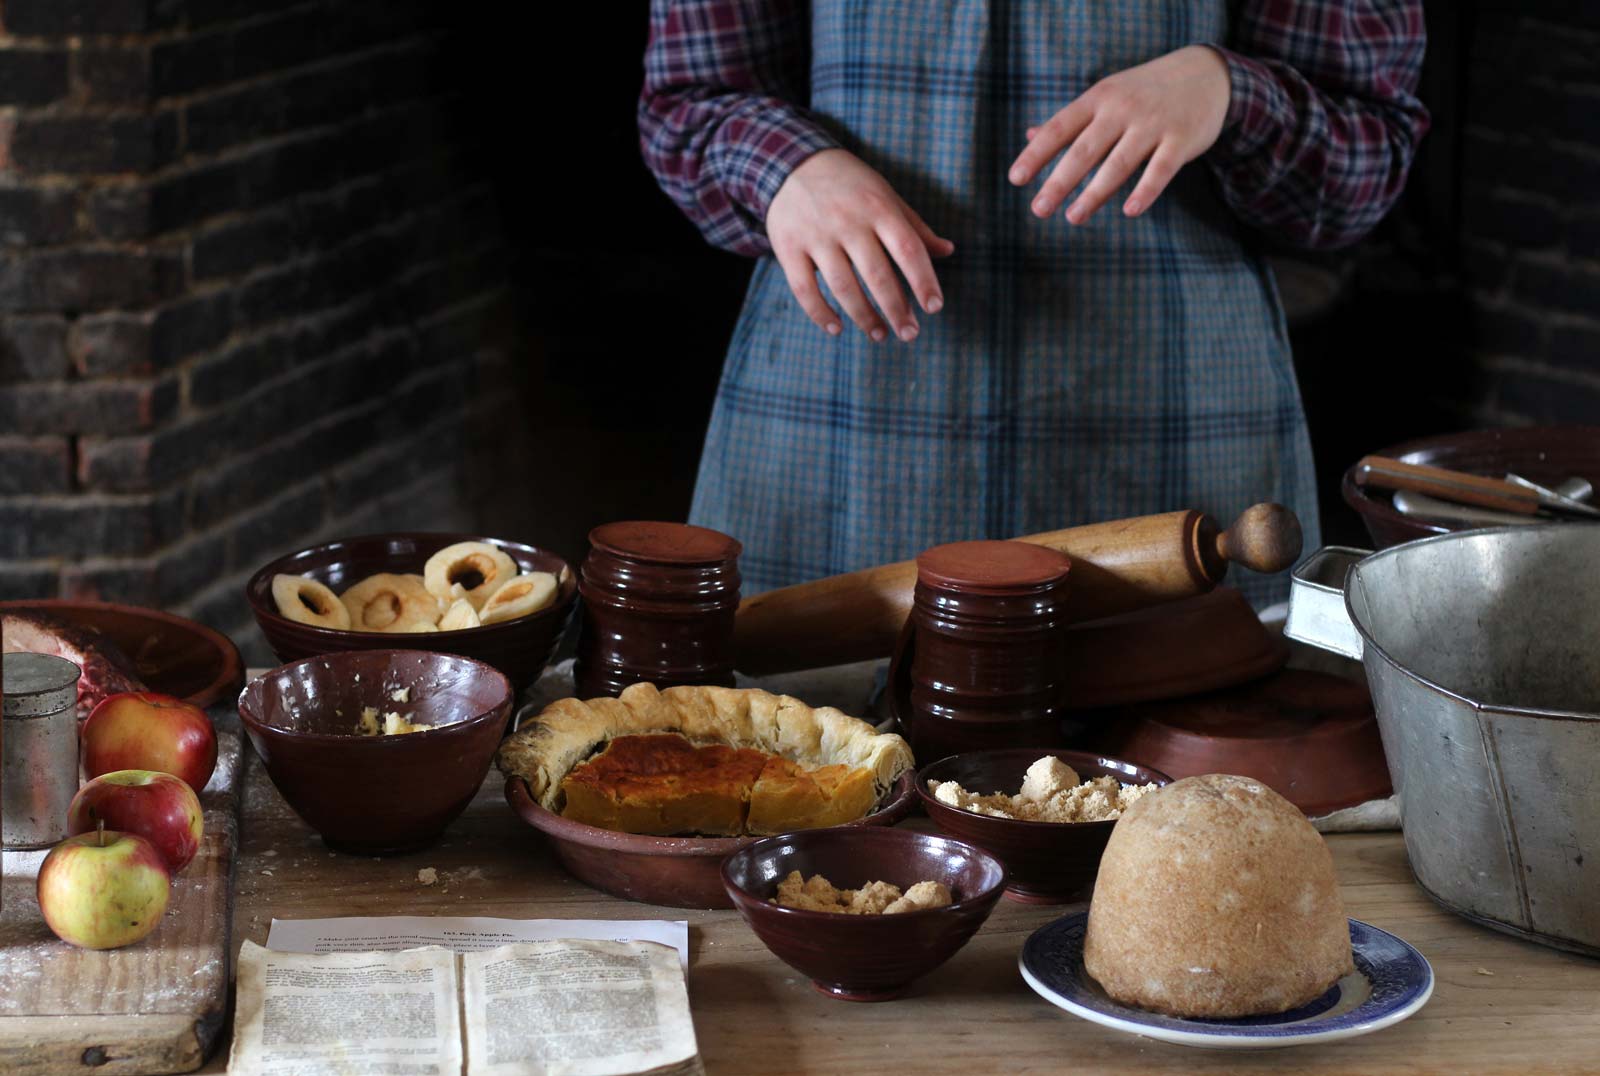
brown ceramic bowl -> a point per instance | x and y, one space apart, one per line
682 872
170 654
1545 454
1046 862
377 795
519 648
864 957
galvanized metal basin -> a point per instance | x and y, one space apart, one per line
1482 649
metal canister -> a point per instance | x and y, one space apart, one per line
38 749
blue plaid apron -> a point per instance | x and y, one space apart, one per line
1116 369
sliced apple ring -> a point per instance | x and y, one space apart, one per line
388 602
306 601
473 570
523 595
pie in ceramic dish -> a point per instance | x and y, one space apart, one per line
705 760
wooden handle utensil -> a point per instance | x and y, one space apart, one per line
1456 486
1116 567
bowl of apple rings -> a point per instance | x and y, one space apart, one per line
501 602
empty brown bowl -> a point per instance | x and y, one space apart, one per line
376 795
1046 862
519 648
864 957
682 872
1544 454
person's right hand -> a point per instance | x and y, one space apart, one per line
834 214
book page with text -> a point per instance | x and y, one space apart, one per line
347 1014
577 1008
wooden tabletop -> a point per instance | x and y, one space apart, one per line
1499 1005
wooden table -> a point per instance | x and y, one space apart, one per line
1500 1005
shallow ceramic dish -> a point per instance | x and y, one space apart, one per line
376 795
683 872
1046 862
519 648
1545 454
170 654
864 957
1391 981
1310 736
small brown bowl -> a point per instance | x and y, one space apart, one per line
1047 862
377 795
1544 454
864 957
682 872
519 648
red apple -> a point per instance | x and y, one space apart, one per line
103 890
159 807
141 730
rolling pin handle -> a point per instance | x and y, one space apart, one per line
1265 538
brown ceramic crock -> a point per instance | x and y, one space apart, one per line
989 634
658 606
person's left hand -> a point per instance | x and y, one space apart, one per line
1166 112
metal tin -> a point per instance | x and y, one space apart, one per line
39 775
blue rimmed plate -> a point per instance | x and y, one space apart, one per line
1391 981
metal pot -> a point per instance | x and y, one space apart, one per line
1482 649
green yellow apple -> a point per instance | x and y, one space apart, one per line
103 890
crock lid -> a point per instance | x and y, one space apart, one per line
665 543
991 567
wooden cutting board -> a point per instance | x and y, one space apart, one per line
153 1007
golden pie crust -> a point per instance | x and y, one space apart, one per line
708 760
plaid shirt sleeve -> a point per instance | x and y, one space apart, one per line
716 122
1323 120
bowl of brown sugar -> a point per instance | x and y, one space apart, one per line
863 912
1045 814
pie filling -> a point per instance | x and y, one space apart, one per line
662 784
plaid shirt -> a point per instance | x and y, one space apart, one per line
1320 131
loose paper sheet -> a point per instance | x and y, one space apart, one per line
347 1014
463 934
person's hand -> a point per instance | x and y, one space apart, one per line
1166 112
834 214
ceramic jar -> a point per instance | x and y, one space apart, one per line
985 640
658 606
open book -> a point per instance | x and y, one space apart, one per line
545 1008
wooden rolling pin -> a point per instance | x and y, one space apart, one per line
1116 567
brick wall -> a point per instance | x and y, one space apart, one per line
1530 169
249 295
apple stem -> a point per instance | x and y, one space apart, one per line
100 831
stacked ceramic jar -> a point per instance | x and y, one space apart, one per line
980 660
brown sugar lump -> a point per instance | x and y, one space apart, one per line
1216 898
